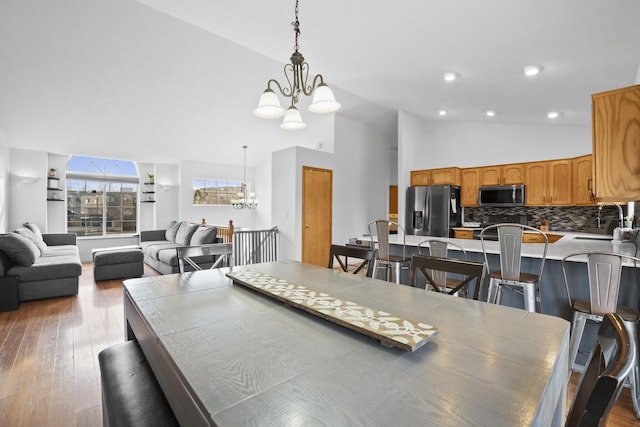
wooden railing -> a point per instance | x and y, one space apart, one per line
225 232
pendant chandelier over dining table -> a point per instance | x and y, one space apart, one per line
297 74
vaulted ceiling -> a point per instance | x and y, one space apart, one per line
162 80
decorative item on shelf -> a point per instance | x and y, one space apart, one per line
297 74
628 221
151 178
52 172
245 199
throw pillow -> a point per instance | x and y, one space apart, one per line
172 229
185 231
33 227
204 236
25 232
20 250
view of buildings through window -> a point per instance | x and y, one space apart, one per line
102 196
215 191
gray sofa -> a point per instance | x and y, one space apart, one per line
44 265
159 246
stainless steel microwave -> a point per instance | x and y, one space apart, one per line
501 195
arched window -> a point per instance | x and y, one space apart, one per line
102 196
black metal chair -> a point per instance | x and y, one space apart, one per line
609 364
440 248
470 270
342 254
210 256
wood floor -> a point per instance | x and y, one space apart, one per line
49 374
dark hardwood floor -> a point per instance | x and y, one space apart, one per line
49 374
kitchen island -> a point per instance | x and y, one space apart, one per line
553 293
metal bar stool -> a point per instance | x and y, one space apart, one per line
509 276
604 271
393 264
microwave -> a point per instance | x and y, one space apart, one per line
501 195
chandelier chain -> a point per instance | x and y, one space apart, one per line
296 29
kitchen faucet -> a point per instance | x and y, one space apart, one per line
599 218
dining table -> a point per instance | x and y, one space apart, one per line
291 344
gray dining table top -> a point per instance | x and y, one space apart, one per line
247 359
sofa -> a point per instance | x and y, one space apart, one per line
159 246
43 265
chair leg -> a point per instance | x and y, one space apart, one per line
634 376
492 297
530 297
577 329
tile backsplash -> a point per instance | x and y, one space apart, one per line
561 218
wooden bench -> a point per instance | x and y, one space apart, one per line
131 395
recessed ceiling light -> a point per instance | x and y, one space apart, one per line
450 76
553 114
532 70
491 113
442 112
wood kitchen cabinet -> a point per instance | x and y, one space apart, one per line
548 183
440 176
502 174
469 186
420 177
445 176
582 170
616 144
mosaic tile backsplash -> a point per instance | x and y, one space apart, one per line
561 218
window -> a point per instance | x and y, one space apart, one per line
215 191
102 196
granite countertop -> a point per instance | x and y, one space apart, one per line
571 242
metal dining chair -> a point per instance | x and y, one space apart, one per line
210 256
430 265
393 264
510 275
342 254
610 362
440 248
604 270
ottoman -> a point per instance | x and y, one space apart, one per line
117 263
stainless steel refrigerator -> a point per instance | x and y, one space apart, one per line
432 210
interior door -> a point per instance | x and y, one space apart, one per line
317 187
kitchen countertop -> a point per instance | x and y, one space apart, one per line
571 242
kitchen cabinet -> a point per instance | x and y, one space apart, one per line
420 177
440 176
443 176
536 183
502 174
469 186
548 183
582 168
616 144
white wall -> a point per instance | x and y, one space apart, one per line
4 183
28 200
57 211
166 208
360 166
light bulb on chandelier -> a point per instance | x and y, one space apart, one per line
246 199
296 73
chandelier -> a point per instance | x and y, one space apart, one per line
297 74
245 199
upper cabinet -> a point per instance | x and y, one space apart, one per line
536 184
440 176
582 168
502 174
469 187
548 183
616 144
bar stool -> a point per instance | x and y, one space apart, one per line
604 271
440 248
393 264
509 276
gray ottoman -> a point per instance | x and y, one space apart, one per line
117 263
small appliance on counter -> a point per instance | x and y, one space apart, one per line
433 210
